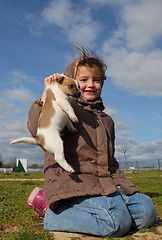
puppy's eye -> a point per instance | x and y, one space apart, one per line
71 86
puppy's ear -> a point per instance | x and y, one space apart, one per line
60 78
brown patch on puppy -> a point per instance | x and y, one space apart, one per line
48 110
68 86
60 78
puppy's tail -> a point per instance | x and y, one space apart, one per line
28 140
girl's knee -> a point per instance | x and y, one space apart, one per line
147 214
117 230
117 225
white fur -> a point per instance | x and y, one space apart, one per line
53 142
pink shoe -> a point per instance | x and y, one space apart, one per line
37 202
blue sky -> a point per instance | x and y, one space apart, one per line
35 43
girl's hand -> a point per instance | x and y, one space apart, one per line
49 80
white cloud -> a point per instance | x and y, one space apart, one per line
112 112
9 110
19 78
146 151
138 72
120 126
19 75
156 114
5 108
75 21
108 2
58 12
84 33
132 52
20 94
143 23
139 151
10 126
12 129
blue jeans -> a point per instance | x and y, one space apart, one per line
111 215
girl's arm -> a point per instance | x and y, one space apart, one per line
33 116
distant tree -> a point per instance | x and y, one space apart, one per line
124 148
1 162
6 165
12 162
34 166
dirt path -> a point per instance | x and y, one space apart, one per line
24 179
155 234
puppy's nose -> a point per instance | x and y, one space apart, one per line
77 95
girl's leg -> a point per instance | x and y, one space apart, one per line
97 215
141 209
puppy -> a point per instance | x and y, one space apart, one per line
54 117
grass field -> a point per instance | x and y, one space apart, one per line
17 220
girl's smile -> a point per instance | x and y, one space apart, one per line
89 79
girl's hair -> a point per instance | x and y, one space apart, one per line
88 57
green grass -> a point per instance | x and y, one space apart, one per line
21 175
150 183
17 220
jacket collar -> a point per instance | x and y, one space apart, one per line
94 106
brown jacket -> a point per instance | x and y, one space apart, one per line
90 152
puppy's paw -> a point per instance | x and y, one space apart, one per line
74 118
69 169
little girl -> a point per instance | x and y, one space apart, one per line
97 199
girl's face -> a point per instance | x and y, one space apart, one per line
89 79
